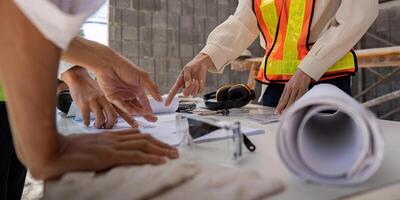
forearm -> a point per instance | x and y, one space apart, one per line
76 153
74 74
89 54
205 60
31 101
227 41
28 68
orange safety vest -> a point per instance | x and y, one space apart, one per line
285 26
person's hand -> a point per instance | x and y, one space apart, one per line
103 151
121 148
192 78
294 89
124 86
89 98
122 82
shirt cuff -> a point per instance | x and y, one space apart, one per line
217 56
313 67
63 67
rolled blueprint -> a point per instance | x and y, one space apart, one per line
328 137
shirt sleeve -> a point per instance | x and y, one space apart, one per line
350 23
228 40
58 20
63 67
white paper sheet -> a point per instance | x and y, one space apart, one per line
156 107
159 107
165 129
328 137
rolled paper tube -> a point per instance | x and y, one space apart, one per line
328 137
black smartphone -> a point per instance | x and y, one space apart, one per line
198 128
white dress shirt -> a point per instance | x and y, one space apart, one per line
58 20
63 67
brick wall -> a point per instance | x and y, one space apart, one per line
163 35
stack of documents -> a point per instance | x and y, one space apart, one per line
328 137
156 107
165 127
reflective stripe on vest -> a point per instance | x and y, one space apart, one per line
285 26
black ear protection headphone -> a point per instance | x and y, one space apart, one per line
228 97
64 101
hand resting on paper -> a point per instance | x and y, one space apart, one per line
99 152
294 89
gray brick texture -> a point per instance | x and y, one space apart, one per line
163 35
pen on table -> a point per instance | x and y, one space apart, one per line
211 112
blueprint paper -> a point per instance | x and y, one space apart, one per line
328 137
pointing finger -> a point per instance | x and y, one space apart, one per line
146 110
152 88
128 118
174 90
